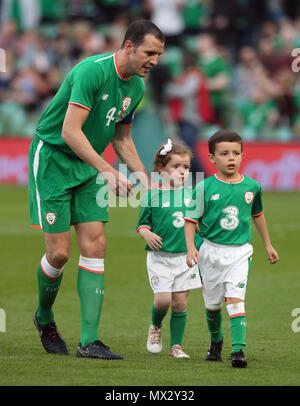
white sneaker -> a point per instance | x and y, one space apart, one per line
176 352
154 343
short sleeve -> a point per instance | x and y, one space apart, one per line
86 80
196 207
145 215
257 207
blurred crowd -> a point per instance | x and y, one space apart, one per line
226 64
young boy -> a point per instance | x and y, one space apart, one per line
224 215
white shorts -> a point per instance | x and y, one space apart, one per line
224 271
169 272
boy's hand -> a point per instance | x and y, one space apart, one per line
192 257
272 254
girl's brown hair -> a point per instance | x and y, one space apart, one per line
178 148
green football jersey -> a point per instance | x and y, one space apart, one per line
96 85
224 209
163 211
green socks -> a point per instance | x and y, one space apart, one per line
238 332
237 316
157 316
177 324
177 327
90 287
214 324
49 280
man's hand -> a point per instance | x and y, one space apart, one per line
117 183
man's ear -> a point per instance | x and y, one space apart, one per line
128 46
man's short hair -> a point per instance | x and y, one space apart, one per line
223 136
137 31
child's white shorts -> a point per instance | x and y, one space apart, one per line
224 271
169 272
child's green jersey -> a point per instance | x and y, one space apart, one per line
163 211
96 85
224 209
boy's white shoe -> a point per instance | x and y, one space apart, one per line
154 343
176 352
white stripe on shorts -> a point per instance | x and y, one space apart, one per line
35 171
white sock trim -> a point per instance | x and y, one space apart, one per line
49 270
236 309
95 265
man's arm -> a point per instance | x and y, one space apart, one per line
126 150
74 137
261 226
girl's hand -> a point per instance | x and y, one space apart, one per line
192 257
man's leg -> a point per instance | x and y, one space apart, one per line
90 287
49 276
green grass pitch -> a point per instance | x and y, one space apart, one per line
273 292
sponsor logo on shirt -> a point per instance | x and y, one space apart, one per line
215 196
104 96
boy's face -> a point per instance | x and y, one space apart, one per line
227 158
177 170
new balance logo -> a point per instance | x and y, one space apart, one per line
104 97
215 197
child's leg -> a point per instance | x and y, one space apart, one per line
214 322
178 317
160 307
162 301
237 315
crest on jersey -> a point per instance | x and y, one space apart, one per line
50 218
249 196
126 103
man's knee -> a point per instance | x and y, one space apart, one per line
58 258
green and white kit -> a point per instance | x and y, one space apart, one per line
60 183
162 211
224 216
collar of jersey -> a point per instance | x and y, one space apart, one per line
117 69
227 181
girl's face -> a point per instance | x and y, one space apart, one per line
177 170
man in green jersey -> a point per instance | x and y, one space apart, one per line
94 106
224 216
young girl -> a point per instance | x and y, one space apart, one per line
161 224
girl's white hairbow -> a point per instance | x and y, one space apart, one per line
167 148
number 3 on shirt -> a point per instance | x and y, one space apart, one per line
179 221
231 221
